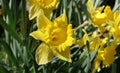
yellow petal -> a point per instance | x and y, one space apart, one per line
99 9
117 19
42 20
116 14
96 65
95 44
91 7
83 40
80 42
48 13
31 2
108 12
62 19
43 54
99 19
109 54
38 35
64 55
33 12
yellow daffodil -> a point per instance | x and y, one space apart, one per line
46 5
97 61
93 40
109 55
115 26
97 16
57 38
96 65
99 56
100 16
95 44
105 55
81 42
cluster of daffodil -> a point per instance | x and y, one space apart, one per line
58 36
107 23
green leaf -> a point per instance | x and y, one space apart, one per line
3 69
23 18
7 12
9 52
12 32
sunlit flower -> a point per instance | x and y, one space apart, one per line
83 41
105 55
109 55
93 40
57 36
100 16
95 44
115 26
46 5
97 62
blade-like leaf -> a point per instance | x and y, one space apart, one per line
12 32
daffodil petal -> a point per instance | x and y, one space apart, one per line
64 55
43 54
108 12
90 6
80 42
33 12
62 19
48 13
42 20
38 35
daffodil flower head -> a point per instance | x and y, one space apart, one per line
100 16
46 5
109 54
115 26
57 35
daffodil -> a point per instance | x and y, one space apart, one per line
93 40
109 55
57 38
99 56
97 16
46 5
115 26
94 44
100 16
105 55
81 42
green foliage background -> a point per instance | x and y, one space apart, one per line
17 48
